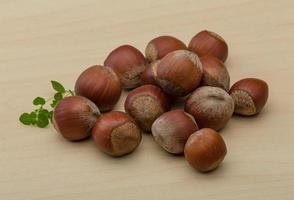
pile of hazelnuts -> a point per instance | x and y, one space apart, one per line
169 71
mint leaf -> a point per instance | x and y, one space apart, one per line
33 117
44 112
57 86
58 96
53 104
42 123
40 116
39 101
25 118
42 120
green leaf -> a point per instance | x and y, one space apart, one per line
33 117
42 120
39 101
57 86
58 96
25 118
44 112
54 103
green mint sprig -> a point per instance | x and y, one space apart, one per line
41 116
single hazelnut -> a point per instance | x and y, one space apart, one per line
209 43
212 107
205 150
172 129
161 46
101 85
74 117
129 63
214 73
145 104
147 76
116 133
178 73
250 96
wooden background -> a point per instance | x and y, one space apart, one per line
57 39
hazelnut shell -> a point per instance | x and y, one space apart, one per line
145 104
116 133
212 107
250 95
74 117
101 85
205 150
129 63
209 43
214 73
172 129
178 73
161 46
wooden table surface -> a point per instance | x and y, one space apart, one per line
55 40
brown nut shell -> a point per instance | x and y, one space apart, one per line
147 76
209 43
116 133
250 95
74 117
212 107
129 63
145 104
214 73
172 129
179 73
161 46
205 150
101 85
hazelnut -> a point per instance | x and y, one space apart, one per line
147 76
162 45
178 73
205 150
116 133
129 63
209 43
214 73
101 85
145 104
172 129
250 96
74 117
212 107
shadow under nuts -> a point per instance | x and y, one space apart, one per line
172 129
205 150
212 107
145 104
74 117
250 96
129 63
162 45
116 133
178 73
101 85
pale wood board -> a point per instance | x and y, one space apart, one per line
45 40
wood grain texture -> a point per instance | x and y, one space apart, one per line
45 40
